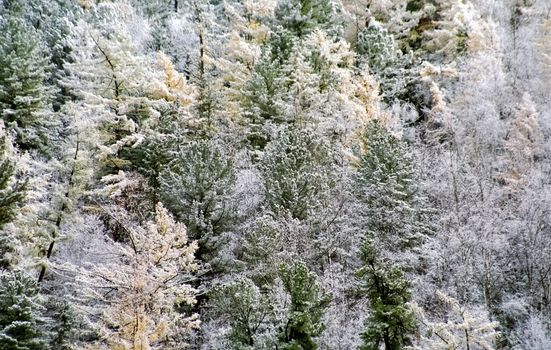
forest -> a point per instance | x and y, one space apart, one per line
275 174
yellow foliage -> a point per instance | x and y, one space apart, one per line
174 87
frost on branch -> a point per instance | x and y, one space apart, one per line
131 298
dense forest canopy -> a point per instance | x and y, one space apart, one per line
275 174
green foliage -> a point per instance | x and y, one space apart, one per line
262 242
415 5
62 327
280 45
385 185
152 155
393 69
246 308
12 193
300 17
264 89
197 186
264 97
19 313
308 303
24 97
52 19
297 173
390 320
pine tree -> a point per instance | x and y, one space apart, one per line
297 173
51 20
264 100
24 96
20 312
11 190
247 309
12 193
300 17
390 207
385 61
391 321
62 325
390 213
197 187
308 303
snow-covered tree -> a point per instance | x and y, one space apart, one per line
464 328
131 299
385 61
248 311
197 187
12 191
307 305
112 75
297 173
300 17
20 312
24 94
391 321
390 210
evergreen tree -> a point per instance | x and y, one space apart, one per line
297 173
308 303
300 17
197 186
385 61
390 214
391 321
390 208
247 309
11 190
264 100
62 324
24 96
20 312
12 193
52 21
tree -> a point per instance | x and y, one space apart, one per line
247 309
24 95
132 298
112 76
394 226
12 191
12 194
324 89
387 63
248 31
391 321
300 17
386 190
297 173
62 325
465 328
523 145
197 186
263 100
308 303
20 312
